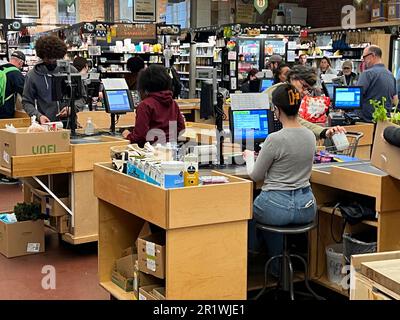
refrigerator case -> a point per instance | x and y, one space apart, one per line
273 46
249 56
396 61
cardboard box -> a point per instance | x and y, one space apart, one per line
23 144
121 281
141 279
385 156
21 238
50 207
379 12
393 10
151 255
123 272
145 293
61 224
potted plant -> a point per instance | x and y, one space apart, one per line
380 112
28 212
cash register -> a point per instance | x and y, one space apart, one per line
345 101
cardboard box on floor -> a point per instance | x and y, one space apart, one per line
49 205
151 253
61 224
21 238
22 143
385 156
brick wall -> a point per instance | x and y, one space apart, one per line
321 14
90 10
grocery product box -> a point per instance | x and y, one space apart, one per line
22 143
393 10
21 238
151 254
379 12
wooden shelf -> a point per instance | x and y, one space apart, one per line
337 213
117 292
323 280
359 26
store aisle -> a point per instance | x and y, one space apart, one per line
75 266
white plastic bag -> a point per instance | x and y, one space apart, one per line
11 128
35 127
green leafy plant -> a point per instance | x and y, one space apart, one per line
380 112
28 211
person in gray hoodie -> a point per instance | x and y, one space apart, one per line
37 96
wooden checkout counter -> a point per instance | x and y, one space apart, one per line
78 163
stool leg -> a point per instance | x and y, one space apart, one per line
291 276
266 276
306 277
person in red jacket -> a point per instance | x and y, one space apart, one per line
158 118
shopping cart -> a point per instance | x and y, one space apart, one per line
327 151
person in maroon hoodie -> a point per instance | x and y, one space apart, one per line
158 118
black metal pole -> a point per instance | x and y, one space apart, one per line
73 111
112 128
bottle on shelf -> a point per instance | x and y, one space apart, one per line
89 129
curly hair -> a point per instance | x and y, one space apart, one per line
50 47
307 74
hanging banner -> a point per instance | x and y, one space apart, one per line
261 5
144 10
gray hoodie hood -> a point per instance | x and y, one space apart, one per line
37 97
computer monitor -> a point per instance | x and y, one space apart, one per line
347 98
328 89
265 84
118 101
252 124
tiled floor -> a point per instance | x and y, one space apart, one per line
75 266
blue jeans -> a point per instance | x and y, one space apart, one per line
279 208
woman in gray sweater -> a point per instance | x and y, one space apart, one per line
284 164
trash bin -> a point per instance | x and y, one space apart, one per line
334 262
358 244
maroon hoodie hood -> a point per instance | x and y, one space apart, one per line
164 98
157 111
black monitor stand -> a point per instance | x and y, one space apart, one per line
72 116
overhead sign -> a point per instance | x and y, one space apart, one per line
244 12
145 31
27 9
168 30
144 10
261 5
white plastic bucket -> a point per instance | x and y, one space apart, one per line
334 262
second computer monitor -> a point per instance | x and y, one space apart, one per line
250 126
118 101
347 98
266 83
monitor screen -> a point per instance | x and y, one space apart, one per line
118 101
329 89
245 122
347 98
265 84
